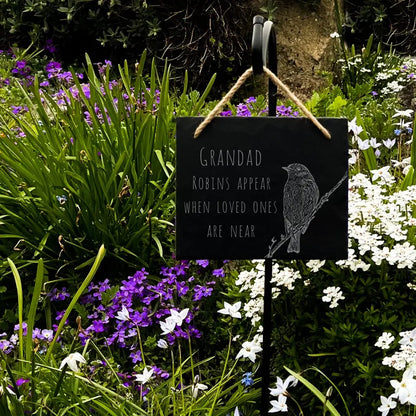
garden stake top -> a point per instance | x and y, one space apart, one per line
262 187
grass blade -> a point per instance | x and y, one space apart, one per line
85 283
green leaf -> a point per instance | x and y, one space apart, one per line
408 180
18 283
315 391
159 245
85 283
161 161
33 307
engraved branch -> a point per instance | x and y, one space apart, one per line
275 245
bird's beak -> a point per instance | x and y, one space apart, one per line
285 168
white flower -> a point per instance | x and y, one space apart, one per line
123 315
354 128
389 143
71 361
167 326
162 344
401 164
334 35
354 154
145 377
384 174
374 143
178 317
408 338
281 387
386 405
403 125
384 340
334 295
236 412
197 386
392 87
249 350
403 113
405 390
231 310
278 405
8 389
363 144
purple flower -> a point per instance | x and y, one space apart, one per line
6 346
24 326
47 334
181 288
56 295
103 286
53 68
193 332
160 373
21 381
203 263
201 291
218 272
59 315
49 46
37 333
136 356
65 76
98 326
243 110
16 109
21 65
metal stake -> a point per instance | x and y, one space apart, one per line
264 53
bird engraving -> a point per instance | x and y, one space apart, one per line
300 199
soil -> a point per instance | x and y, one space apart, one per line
304 48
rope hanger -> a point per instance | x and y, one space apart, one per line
227 97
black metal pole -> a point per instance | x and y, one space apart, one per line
264 53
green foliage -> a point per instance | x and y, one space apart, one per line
373 70
207 37
390 21
71 182
36 382
340 342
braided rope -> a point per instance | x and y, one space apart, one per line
227 97
296 100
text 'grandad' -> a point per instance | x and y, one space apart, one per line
229 157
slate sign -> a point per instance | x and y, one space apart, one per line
252 188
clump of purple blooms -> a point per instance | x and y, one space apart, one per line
252 107
125 316
147 303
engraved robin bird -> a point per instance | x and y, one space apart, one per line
300 197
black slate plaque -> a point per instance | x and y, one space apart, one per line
262 188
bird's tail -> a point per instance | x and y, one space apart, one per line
294 243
